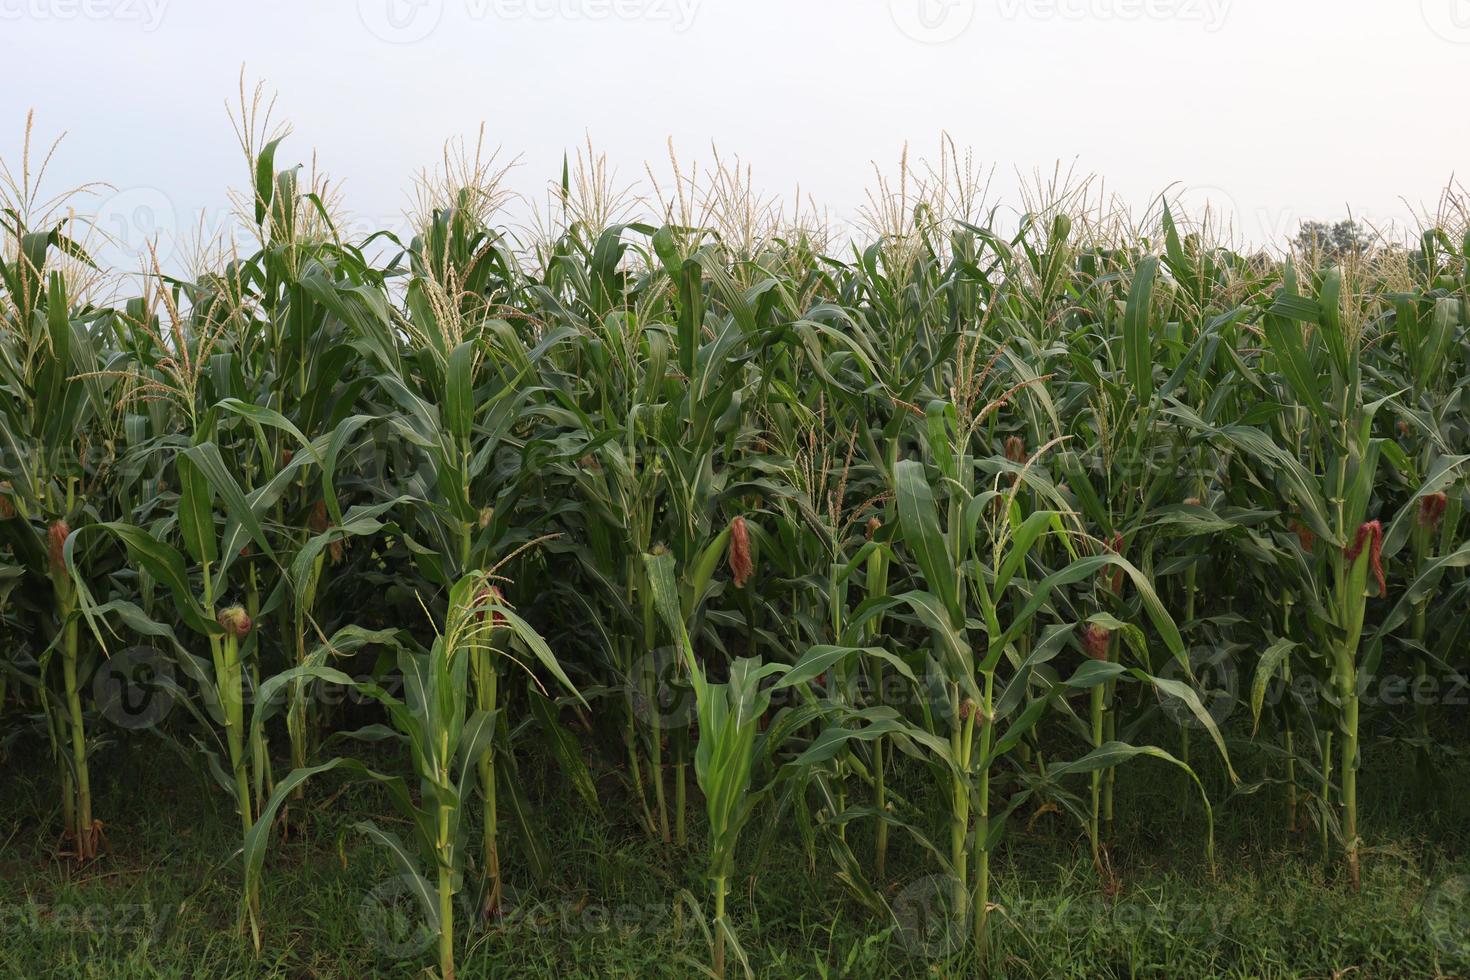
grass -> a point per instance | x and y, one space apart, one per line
163 899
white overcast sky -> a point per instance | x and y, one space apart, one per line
1278 110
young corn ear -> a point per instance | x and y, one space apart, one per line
56 536
741 566
236 621
1097 640
1370 535
1431 510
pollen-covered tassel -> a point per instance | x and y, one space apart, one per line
1096 640
56 545
1371 535
741 566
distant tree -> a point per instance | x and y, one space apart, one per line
1343 240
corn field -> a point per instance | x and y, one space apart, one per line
776 528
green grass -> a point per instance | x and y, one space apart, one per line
162 900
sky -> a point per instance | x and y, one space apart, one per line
1274 111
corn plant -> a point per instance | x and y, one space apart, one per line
1326 469
731 749
53 401
214 518
966 497
447 737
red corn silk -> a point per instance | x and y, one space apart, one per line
1371 536
56 537
1305 536
1096 639
741 567
1431 510
490 594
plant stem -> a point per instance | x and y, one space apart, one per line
446 900
877 586
635 769
959 819
1097 741
1350 766
488 684
1110 733
232 701
982 831
656 763
1421 706
1291 791
680 791
444 855
1326 792
880 800
76 780
1355 601
86 844
1190 591
721 885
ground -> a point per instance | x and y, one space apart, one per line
162 901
